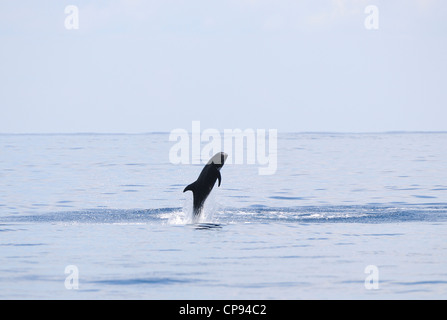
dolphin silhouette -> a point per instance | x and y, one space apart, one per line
202 187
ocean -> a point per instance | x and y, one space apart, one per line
104 216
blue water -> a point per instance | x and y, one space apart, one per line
112 205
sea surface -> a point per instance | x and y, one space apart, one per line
104 216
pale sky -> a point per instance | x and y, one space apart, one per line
142 66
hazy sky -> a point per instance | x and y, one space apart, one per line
142 66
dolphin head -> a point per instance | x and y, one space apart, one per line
218 159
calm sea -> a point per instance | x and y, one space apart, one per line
103 216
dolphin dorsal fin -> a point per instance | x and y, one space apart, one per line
191 187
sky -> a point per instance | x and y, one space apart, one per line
135 66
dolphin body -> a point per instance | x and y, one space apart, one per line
202 187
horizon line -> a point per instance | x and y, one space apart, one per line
168 132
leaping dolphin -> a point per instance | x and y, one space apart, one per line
202 187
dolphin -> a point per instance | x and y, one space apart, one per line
202 187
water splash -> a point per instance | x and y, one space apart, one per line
215 213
